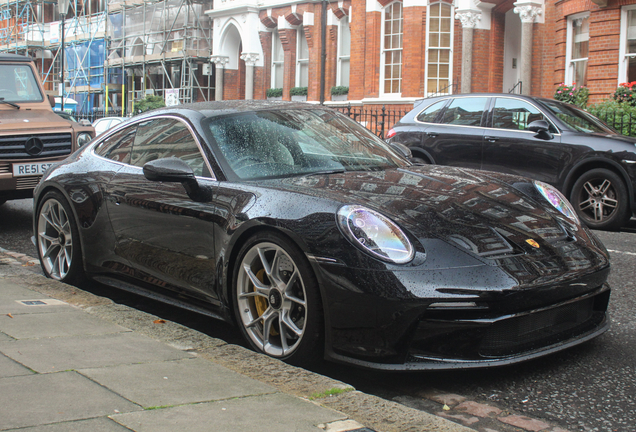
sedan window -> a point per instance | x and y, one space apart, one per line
430 114
166 137
117 146
514 114
465 111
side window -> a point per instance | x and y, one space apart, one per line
465 111
514 114
117 147
430 114
162 138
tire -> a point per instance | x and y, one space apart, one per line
601 200
276 300
57 240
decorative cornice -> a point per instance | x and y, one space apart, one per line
294 18
250 58
220 61
528 12
468 17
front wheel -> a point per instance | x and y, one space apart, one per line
601 200
57 239
276 300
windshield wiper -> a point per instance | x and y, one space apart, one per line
329 171
9 103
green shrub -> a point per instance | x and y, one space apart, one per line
274 92
149 103
625 93
572 95
339 90
298 91
618 115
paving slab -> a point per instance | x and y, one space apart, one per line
5 337
272 413
10 368
100 424
82 352
68 323
52 398
176 382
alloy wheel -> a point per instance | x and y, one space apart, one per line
271 299
55 239
599 199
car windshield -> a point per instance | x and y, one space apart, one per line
284 143
18 84
576 119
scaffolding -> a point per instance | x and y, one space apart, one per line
116 53
163 47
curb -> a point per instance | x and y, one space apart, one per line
377 414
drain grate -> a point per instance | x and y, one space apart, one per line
45 302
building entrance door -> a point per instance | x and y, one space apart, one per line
512 52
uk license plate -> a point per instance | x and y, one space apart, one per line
30 169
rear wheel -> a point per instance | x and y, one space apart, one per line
601 200
276 300
57 239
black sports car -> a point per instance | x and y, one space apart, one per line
319 239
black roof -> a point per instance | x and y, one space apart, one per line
15 58
215 108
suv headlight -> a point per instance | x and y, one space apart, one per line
375 234
83 138
557 200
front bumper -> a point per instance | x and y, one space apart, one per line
438 343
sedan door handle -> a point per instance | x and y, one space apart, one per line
491 138
432 134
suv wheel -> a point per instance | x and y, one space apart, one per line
601 200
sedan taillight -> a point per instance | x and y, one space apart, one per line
391 133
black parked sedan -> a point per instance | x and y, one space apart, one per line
544 139
320 240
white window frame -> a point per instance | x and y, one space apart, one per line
383 51
276 40
569 63
344 22
623 57
300 36
428 92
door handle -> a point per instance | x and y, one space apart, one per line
432 134
491 138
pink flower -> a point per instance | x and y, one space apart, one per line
559 91
570 94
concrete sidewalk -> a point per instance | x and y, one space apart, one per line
74 361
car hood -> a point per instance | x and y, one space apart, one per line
479 212
26 119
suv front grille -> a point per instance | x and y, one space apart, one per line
13 147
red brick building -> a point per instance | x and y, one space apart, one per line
394 52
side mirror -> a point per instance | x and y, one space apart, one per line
402 150
84 122
539 126
172 170
542 128
52 100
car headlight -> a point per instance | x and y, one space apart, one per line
83 138
557 200
375 234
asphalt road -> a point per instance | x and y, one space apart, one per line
588 388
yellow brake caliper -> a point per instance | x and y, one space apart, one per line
261 303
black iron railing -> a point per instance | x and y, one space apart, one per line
377 120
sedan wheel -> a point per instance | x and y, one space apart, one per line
276 300
58 239
601 200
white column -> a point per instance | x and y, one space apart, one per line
250 60
528 12
469 19
219 62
